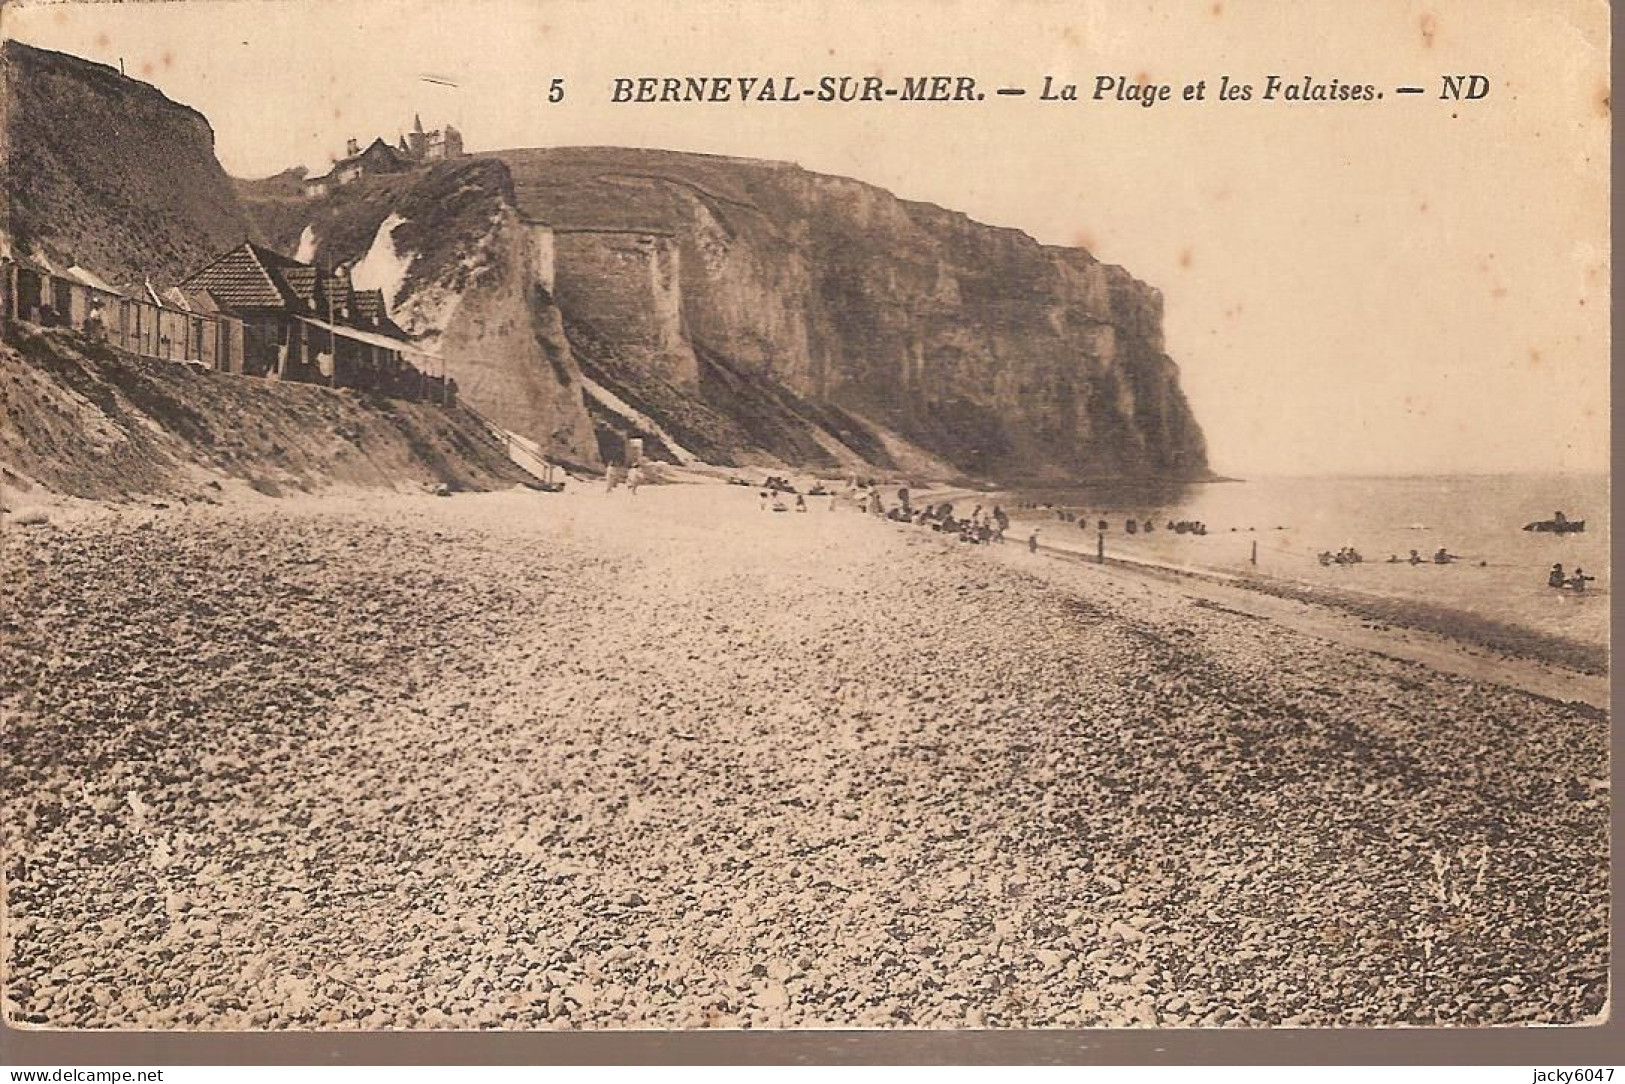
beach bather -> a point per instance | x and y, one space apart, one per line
1032 542
1556 578
1444 557
1579 579
1416 558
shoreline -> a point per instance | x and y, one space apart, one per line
1397 632
1518 643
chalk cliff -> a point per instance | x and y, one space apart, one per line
107 173
683 277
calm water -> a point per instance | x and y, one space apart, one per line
1293 519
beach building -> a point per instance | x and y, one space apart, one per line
300 321
378 157
413 148
142 321
251 311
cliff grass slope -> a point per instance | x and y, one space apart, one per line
80 419
105 172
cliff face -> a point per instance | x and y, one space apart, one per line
462 272
682 275
107 173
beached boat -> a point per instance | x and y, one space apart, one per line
1556 526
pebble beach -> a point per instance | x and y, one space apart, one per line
588 760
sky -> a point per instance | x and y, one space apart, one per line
1411 285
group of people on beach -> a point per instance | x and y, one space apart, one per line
1576 582
1131 525
1348 555
774 500
631 477
982 527
985 526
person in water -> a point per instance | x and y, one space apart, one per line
1032 542
1579 579
1416 558
1555 577
1444 557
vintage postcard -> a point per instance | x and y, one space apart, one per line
528 515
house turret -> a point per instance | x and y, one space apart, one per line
419 145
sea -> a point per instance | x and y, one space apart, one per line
1276 526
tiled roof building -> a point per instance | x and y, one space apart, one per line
379 157
241 279
297 317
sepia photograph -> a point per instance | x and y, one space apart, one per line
528 515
